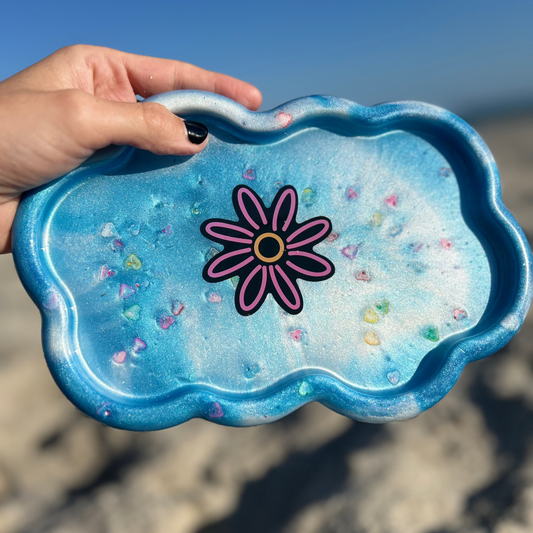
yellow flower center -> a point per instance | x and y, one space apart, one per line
269 247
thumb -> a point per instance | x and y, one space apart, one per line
148 126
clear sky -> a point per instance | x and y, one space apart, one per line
470 56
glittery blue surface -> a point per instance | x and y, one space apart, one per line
431 270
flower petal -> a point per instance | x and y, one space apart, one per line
312 232
285 210
310 265
220 230
249 205
286 289
252 288
230 264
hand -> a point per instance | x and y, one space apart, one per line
58 112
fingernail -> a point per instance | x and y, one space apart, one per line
196 131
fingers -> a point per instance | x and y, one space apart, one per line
150 75
148 126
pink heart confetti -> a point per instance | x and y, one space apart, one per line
459 314
106 272
351 194
216 411
177 307
362 276
392 200
214 297
350 251
296 334
446 244
166 321
249 174
284 119
138 345
167 230
332 237
119 357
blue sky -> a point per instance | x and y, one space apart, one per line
470 56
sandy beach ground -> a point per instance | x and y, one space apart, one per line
466 465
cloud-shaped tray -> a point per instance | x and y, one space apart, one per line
321 251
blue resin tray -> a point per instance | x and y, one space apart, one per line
322 251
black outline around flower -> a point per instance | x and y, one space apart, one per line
267 249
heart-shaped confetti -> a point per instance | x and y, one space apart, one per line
166 321
284 119
215 411
249 174
459 314
362 276
371 338
214 298
109 230
138 345
120 357
133 312
106 272
431 334
305 389
117 245
350 251
383 307
393 377
126 291
132 262
446 244
395 230
376 219
167 230
332 237
177 307
296 334
308 196
392 200
351 194
370 316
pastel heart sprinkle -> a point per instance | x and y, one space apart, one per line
108 230
126 291
249 174
214 298
370 316
392 200
167 230
351 194
177 307
215 411
296 335
350 251
446 244
117 245
305 389
376 219
393 377
332 237
166 321
120 357
371 338
431 334
459 314
383 307
138 345
362 276
106 272
395 230
309 196
284 119
133 312
416 247
445 172
132 262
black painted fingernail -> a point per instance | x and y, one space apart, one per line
196 131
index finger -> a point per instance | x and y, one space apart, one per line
150 75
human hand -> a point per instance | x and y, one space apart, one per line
58 112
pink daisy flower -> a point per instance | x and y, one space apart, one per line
268 250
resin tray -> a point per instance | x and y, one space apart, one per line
322 251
